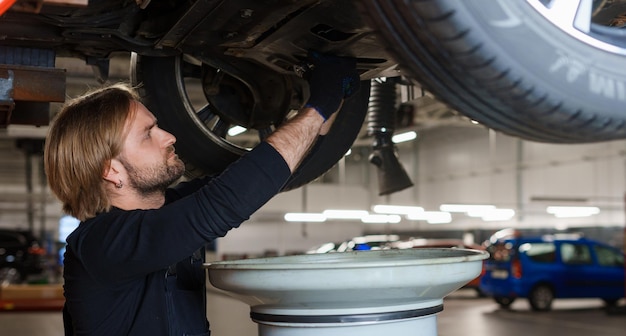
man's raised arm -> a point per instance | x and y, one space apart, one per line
331 79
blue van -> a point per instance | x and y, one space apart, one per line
550 267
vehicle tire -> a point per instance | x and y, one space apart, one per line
201 133
10 276
541 297
508 65
504 301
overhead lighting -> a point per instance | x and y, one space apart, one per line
397 209
480 212
486 212
304 217
403 137
572 211
432 217
498 215
345 214
474 208
236 130
382 219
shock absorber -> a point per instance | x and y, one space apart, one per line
381 123
381 117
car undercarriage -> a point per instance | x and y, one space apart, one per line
543 70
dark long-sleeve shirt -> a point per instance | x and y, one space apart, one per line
119 278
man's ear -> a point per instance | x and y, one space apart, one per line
112 171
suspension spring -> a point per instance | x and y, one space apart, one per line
381 116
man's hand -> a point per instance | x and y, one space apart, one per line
331 79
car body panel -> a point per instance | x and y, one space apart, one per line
567 276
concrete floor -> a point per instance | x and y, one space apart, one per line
464 314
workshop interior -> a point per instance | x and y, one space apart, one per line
474 184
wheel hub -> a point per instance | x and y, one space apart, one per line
255 102
595 22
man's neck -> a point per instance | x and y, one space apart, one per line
134 201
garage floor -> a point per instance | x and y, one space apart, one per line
464 314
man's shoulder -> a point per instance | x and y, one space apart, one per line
102 218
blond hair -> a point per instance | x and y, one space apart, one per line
85 135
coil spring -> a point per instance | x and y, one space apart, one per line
381 116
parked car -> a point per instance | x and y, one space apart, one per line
360 243
21 256
242 58
550 267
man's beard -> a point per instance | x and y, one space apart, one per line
154 179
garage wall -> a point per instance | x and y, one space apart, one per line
480 166
459 163
463 164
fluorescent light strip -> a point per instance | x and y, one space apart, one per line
572 211
480 212
432 217
466 207
486 212
498 215
305 217
403 137
345 214
391 213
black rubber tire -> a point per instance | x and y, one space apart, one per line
541 297
530 80
205 153
503 301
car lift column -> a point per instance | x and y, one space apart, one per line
29 82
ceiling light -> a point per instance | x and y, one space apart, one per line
474 208
345 214
572 211
443 219
498 215
403 137
373 219
480 212
432 217
304 217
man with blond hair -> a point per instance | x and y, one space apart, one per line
133 266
